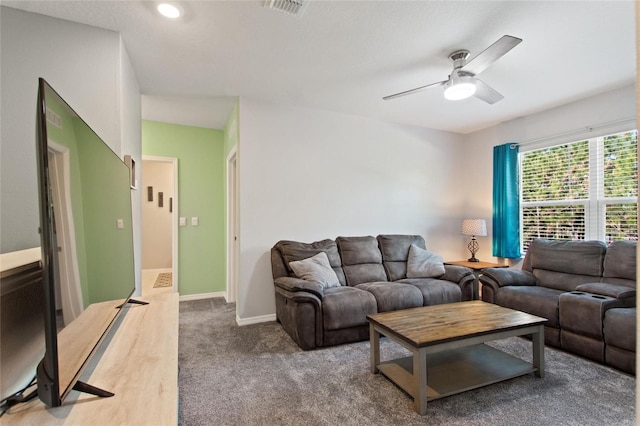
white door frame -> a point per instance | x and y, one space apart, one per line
70 292
231 166
174 215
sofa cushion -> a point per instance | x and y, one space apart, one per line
395 251
561 280
293 250
620 263
393 296
361 260
316 269
435 291
571 257
422 263
344 307
535 300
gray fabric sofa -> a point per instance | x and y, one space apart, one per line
372 274
586 290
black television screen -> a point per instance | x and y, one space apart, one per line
87 242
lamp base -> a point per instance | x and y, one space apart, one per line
473 247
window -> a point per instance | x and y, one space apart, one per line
584 190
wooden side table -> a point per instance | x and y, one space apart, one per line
477 268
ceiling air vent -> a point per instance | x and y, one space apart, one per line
292 7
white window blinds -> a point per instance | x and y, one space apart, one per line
581 190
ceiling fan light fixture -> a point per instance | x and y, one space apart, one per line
460 88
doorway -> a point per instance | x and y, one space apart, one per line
159 225
232 225
68 294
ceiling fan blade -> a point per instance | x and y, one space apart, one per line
487 93
416 90
491 54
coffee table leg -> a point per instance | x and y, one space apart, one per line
374 343
538 351
420 377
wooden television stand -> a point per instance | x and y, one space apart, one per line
139 365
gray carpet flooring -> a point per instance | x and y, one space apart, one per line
256 375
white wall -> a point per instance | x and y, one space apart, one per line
76 60
307 175
562 124
90 69
131 144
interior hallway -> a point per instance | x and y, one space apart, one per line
148 280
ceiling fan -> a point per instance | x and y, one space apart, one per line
462 83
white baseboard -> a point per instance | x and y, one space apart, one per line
255 320
199 296
223 294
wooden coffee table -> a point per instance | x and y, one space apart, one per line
449 354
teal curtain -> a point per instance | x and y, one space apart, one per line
506 202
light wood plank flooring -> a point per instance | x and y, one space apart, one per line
149 278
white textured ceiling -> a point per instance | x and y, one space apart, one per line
345 56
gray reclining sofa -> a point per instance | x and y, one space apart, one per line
586 291
372 275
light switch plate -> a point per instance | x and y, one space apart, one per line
183 221
194 221
120 224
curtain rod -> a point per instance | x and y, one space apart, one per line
571 132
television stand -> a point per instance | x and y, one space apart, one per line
140 365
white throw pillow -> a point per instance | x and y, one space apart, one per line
423 263
316 268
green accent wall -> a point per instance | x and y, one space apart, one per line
106 198
100 195
200 154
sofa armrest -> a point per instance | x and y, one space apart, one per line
611 290
501 277
456 274
462 276
293 285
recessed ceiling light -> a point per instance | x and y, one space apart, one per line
168 10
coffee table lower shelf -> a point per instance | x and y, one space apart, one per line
457 370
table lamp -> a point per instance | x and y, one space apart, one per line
474 227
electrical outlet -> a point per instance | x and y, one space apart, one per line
194 221
120 224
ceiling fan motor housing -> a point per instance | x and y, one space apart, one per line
459 58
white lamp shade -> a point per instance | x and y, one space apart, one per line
474 227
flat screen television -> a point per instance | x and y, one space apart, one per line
86 241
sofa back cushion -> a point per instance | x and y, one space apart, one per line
565 264
290 251
361 260
395 251
620 264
